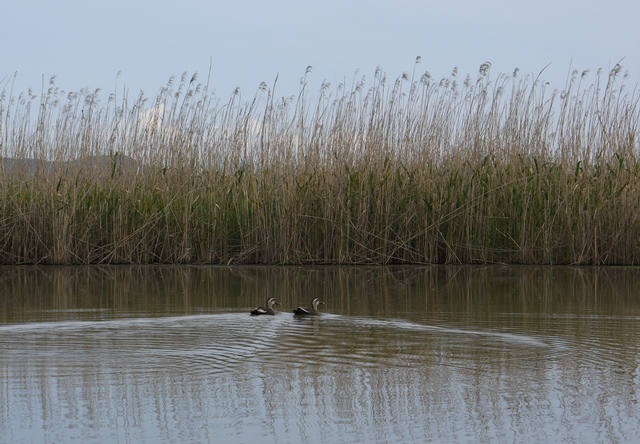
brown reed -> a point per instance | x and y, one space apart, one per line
409 171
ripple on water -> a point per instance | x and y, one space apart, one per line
347 362
223 342
361 341
198 343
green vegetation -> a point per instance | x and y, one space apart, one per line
410 171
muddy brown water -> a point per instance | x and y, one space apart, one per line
400 354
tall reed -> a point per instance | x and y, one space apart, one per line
413 170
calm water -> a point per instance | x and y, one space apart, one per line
407 354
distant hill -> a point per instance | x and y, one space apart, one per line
103 163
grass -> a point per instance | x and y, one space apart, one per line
480 170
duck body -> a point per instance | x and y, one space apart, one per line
268 310
304 311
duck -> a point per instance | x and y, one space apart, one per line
268 310
304 311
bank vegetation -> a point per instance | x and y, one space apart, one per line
388 171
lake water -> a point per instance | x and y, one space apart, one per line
401 354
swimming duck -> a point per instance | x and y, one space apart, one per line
268 310
304 311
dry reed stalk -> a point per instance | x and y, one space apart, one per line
412 171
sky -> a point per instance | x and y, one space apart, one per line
137 45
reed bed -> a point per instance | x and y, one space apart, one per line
413 170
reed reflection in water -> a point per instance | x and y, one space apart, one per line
406 354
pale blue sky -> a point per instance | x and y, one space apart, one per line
87 42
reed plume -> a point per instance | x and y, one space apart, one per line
405 170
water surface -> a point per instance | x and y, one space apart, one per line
401 354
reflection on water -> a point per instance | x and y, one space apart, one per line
406 354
